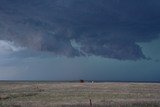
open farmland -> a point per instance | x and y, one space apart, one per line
65 94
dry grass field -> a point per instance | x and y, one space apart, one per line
52 94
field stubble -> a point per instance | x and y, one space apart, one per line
52 94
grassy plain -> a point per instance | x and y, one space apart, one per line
66 94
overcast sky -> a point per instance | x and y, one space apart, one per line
115 40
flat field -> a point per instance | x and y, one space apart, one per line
66 94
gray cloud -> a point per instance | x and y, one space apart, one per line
107 28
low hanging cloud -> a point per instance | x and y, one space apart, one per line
7 47
106 28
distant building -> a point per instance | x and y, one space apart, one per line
81 81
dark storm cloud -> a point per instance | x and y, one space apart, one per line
107 28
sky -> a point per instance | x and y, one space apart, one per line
101 40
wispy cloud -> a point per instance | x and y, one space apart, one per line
7 47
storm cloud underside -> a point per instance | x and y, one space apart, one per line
107 28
